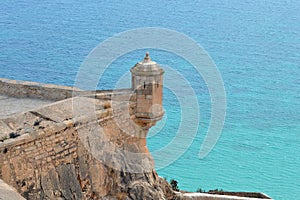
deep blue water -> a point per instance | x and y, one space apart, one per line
255 44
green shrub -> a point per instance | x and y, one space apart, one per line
200 190
174 185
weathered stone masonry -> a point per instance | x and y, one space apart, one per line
51 162
87 145
54 156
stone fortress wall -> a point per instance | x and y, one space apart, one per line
85 144
26 89
51 92
46 158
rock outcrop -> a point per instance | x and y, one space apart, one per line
8 193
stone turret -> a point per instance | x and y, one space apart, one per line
147 82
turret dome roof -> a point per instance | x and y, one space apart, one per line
147 67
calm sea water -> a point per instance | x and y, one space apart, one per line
255 44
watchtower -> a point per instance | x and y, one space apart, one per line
147 82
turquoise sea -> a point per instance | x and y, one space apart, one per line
255 45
